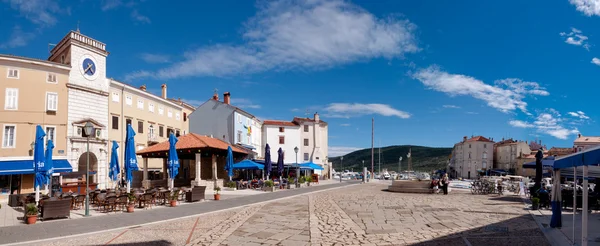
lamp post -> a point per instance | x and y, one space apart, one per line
399 166
88 128
341 167
297 166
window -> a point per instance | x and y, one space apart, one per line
13 73
140 127
281 140
51 78
140 104
151 131
161 111
160 131
469 155
151 107
184 118
51 101
484 155
115 122
281 129
239 136
127 121
306 142
11 101
50 133
306 156
8 137
177 133
177 116
305 128
128 100
170 113
169 131
115 97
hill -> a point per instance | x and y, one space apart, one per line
423 158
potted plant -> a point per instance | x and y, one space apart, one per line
131 204
535 203
269 186
289 183
173 198
217 189
231 185
308 180
301 180
31 212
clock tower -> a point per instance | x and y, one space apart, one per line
87 102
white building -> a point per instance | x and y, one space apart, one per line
585 142
87 101
314 139
471 155
285 135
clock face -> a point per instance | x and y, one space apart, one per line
89 67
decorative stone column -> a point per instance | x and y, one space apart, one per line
145 181
196 181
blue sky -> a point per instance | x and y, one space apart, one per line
429 72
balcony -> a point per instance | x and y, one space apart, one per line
152 139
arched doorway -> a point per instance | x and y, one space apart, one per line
82 164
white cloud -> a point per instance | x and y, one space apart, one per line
18 38
300 35
580 115
450 106
588 7
137 17
575 37
470 112
507 95
111 4
154 58
348 110
334 151
345 124
244 103
596 61
40 12
548 123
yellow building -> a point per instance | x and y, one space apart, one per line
33 92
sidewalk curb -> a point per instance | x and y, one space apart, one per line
554 236
173 219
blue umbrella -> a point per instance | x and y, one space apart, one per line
114 162
280 162
229 163
38 161
268 160
248 165
173 162
49 166
130 158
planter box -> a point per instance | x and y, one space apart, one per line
269 189
298 186
230 189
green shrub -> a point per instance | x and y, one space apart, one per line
231 184
291 180
217 189
535 201
269 183
31 209
309 179
301 180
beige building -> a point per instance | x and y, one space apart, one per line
152 117
33 92
187 110
585 142
471 155
313 134
506 153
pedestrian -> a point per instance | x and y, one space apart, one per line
445 182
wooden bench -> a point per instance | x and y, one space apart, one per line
196 194
60 208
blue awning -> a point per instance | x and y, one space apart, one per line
546 163
26 166
310 165
248 165
588 157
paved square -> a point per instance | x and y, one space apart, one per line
358 215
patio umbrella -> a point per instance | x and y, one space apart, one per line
280 163
114 162
49 166
38 161
130 158
229 163
268 160
173 161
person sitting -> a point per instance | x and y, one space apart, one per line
544 196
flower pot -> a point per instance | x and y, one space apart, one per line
289 186
173 203
130 208
31 219
217 197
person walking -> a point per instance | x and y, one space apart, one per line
444 183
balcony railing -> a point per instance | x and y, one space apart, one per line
152 137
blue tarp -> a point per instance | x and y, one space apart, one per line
26 166
547 162
588 157
249 165
310 165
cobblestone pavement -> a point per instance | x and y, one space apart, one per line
357 215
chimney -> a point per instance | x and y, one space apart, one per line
317 117
464 138
227 98
164 91
143 87
215 97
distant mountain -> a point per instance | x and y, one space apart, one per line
423 158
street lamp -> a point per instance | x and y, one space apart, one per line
399 166
297 166
88 128
341 167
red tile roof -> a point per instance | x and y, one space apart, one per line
192 141
279 123
480 139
